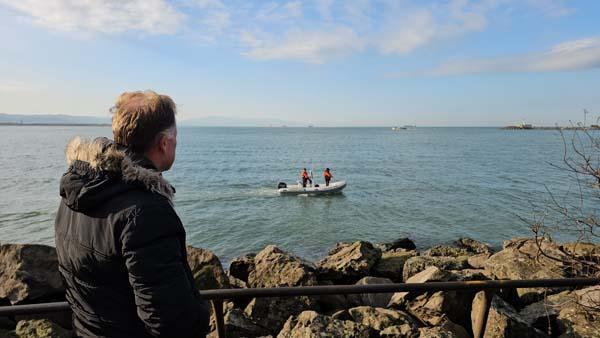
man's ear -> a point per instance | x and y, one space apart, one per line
162 143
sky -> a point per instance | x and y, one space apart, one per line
320 62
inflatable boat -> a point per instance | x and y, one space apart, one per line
316 189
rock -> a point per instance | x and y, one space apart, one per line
241 267
504 321
333 302
417 264
473 246
310 324
430 274
582 250
207 269
399 331
446 251
29 272
435 332
275 268
469 274
349 262
521 259
434 308
391 264
575 318
341 315
541 315
478 261
458 331
380 318
272 313
237 325
462 247
371 299
40 328
401 243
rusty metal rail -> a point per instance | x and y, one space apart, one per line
218 296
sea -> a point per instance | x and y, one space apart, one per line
432 185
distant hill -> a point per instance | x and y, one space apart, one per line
52 119
218 121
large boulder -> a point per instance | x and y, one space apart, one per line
348 262
40 328
207 269
237 325
371 299
436 332
446 251
525 259
431 274
272 313
391 264
581 250
399 331
433 308
473 246
503 321
380 318
29 272
417 264
310 324
240 267
333 302
578 313
275 268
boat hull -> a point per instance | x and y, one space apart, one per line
335 187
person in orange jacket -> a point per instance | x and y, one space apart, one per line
327 175
305 177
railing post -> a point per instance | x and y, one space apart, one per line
480 323
217 305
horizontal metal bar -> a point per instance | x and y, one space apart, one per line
338 290
398 287
28 309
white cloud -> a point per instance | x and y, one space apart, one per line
109 16
571 55
307 46
421 26
15 86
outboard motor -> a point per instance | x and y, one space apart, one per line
281 185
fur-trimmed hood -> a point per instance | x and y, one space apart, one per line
96 167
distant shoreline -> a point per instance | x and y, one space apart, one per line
55 124
289 127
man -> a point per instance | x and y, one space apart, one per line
327 175
121 246
305 177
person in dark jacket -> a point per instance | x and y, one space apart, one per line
121 246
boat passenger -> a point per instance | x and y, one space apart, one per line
305 177
327 175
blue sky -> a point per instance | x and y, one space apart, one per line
323 62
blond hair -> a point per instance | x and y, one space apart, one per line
140 116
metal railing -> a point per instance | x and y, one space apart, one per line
216 297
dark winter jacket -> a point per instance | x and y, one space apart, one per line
121 248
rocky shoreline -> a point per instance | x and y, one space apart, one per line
29 274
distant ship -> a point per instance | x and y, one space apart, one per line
405 127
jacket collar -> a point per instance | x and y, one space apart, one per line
103 154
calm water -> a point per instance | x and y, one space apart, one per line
431 184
